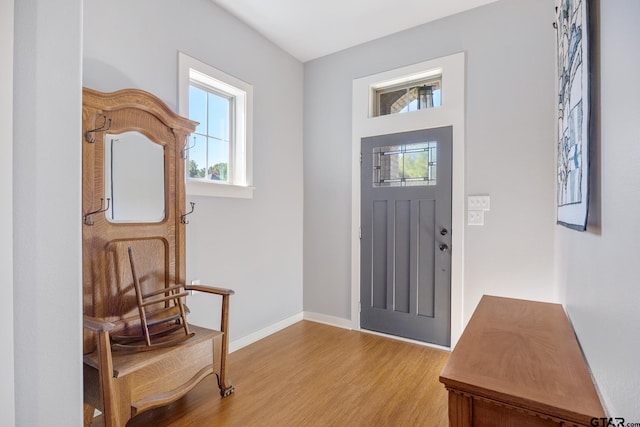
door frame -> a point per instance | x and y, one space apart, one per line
451 113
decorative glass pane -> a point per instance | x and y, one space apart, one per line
405 165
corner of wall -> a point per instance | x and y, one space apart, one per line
7 389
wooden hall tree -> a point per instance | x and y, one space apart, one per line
133 200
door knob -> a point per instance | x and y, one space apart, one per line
444 248
444 231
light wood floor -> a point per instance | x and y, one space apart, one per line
311 374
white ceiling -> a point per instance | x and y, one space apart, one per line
309 29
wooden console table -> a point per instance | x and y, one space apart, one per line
518 363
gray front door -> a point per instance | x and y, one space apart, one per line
405 287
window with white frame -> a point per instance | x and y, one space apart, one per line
409 93
219 152
408 97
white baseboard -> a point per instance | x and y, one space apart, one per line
264 332
272 329
338 322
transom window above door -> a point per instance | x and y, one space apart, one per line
411 96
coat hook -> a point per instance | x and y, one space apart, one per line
106 125
87 217
186 148
183 217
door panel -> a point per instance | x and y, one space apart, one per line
406 202
379 254
426 268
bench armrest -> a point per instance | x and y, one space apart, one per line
210 290
97 325
226 388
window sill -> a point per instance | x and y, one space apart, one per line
214 189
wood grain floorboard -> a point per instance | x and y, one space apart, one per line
311 374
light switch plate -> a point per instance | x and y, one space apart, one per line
479 203
475 217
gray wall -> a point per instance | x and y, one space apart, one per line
7 397
509 154
598 270
252 246
47 213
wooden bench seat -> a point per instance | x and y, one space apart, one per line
125 362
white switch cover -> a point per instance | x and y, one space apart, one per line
475 217
479 203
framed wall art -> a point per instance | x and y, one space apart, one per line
572 25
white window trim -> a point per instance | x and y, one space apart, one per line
451 112
242 157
